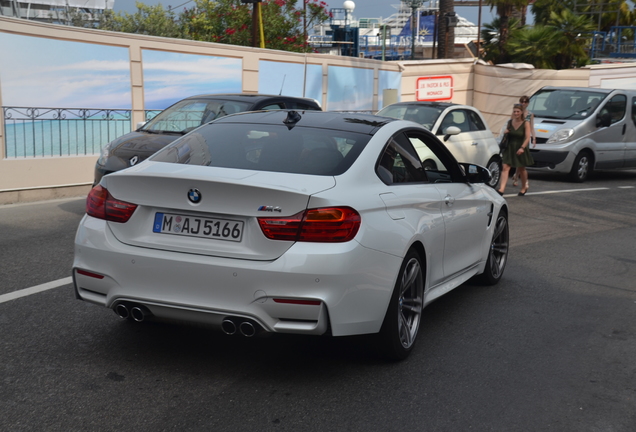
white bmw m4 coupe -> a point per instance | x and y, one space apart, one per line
292 222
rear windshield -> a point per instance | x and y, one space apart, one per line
189 114
301 150
423 114
565 104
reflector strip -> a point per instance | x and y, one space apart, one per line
90 274
299 302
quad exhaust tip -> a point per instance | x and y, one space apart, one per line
228 326
135 312
245 327
138 314
122 311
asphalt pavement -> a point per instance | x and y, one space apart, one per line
550 348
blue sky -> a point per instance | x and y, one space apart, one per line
169 76
53 73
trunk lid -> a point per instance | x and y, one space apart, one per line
223 222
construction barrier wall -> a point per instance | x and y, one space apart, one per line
339 83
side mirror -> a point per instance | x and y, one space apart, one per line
603 119
140 124
475 173
451 130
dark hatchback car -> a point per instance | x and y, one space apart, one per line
181 118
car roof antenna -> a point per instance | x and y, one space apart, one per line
282 85
292 118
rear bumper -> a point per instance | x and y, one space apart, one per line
347 286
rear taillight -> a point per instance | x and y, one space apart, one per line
101 204
323 225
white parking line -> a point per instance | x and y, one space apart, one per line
36 289
627 187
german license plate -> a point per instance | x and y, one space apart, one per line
220 229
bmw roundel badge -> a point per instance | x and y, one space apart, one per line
194 195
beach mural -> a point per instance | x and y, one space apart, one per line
388 80
349 89
287 79
39 72
170 77
62 98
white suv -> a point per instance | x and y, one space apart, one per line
465 132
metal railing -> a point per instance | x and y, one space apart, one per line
46 132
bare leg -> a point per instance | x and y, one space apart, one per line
504 178
523 175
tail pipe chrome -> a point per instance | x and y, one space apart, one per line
247 328
139 313
132 311
228 326
122 311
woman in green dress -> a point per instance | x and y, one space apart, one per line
517 153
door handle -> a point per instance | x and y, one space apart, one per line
624 126
475 143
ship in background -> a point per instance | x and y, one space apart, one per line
56 11
391 38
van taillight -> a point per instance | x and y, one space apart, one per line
322 225
101 204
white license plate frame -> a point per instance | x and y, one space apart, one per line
200 227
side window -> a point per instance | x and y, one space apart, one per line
457 118
634 110
399 162
438 163
275 106
476 124
616 106
430 161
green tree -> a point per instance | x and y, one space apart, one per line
603 13
224 21
574 32
230 21
541 9
491 35
505 12
537 46
148 20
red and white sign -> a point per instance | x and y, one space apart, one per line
434 88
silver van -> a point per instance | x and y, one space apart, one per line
580 129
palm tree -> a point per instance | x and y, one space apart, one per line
445 34
505 9
490 36
537 46
573 32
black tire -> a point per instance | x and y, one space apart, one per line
582 167
494 166
497 254
402 320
